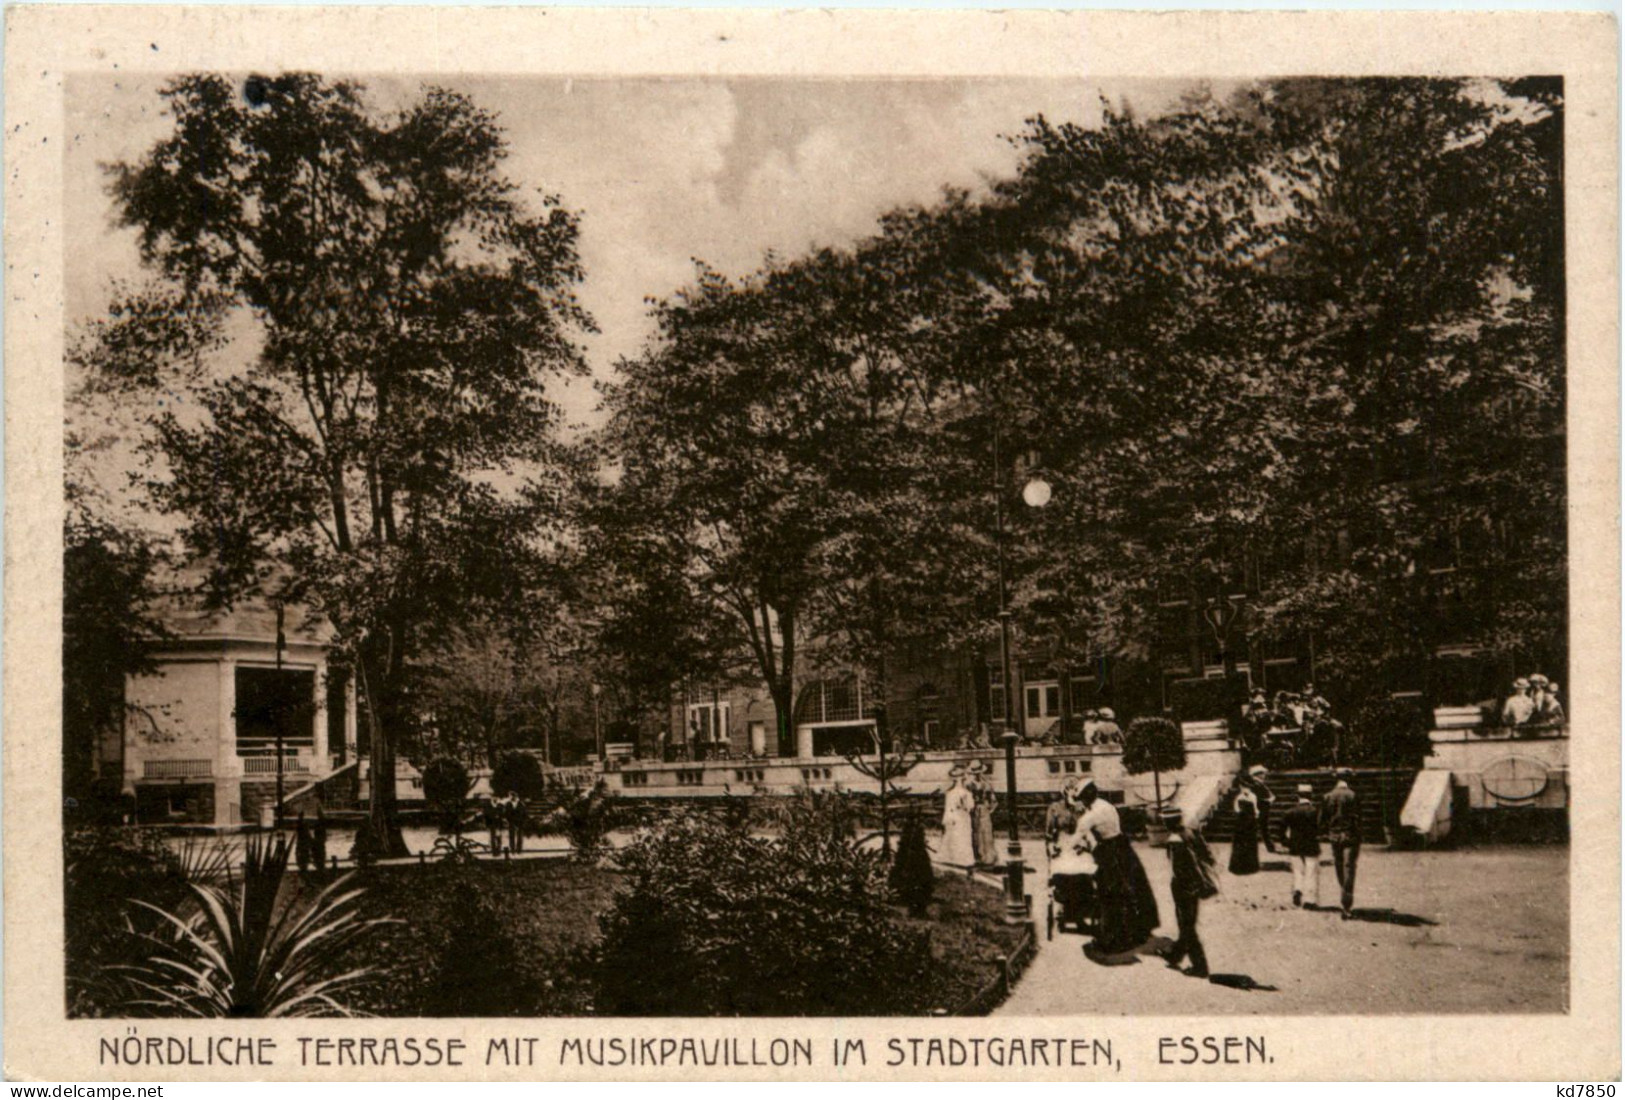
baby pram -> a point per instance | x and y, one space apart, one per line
1074 902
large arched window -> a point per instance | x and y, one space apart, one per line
839 699
837 715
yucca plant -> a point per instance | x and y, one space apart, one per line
240 954
204 861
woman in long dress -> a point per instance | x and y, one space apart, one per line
1244 839
957 806
1128 908
982 822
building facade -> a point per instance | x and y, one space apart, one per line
232 705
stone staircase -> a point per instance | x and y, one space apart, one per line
1382 794
338 793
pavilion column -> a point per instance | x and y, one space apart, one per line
228 770
323 762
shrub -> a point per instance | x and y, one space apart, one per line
518 773
106 871
829 813
240 952
585 819
1197 700
456 849
912 879
719 922
1387 733
445 786
476 970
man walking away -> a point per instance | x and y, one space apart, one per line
1194 878
1300 827
1340 814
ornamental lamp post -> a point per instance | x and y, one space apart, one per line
1036 494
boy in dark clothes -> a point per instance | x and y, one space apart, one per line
1195 876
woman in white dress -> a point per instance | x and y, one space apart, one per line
957 807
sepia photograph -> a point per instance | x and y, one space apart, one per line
927 547
1050 547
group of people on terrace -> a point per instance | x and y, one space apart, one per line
1533 702
1302 718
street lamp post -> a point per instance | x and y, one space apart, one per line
1036 493
1015 866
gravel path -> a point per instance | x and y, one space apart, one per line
1470 931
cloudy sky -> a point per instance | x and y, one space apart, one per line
663 171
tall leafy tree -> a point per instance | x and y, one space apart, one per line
109 627
365 315
775 453
718 477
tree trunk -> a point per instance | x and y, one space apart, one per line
382 814
783 700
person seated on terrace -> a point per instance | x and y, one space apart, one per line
1520 705
1107 731
1258 706
1289 708
1548 709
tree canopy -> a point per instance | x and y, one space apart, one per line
365 317
1303 343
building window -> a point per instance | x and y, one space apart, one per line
836 700
273 702
1084 691
995 693
1044 700
708 723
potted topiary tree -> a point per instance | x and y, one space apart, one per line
519 773
1154 745
445 787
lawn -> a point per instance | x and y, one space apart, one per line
969 942
494 939
508 939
